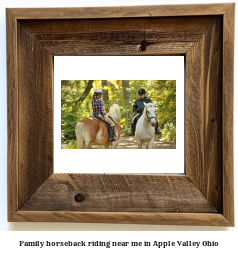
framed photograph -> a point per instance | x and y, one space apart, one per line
73 106
202 194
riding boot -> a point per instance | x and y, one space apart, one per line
157 129
132 130
111 134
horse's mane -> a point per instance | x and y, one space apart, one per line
115 113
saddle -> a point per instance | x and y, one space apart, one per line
102 121
98 118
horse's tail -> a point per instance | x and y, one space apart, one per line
79 136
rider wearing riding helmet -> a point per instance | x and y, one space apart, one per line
138 109
98 110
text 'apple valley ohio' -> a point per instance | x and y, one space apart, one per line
110 244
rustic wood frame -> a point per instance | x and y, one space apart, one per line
204 34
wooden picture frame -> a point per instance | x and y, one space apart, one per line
204 34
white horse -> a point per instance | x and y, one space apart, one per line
145 127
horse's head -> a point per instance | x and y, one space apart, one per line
150 113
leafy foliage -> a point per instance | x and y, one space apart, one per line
76 99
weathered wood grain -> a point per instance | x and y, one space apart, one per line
192 219
119 36
71 48
227 113
189 25
114 193
177 25
78 26
121 11
35 109
204 114
12 114
35 35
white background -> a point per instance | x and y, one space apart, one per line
119 68
9 240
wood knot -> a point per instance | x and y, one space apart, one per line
79 198
213 120
143 45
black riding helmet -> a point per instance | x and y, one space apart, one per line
141 91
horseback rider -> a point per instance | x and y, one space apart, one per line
98 110
138 109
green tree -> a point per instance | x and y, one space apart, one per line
74 100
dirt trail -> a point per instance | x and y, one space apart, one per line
130 143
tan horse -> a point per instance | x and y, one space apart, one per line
90 130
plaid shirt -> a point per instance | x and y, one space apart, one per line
98 107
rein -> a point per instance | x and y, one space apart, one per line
149 117
114 122
112 119
117 124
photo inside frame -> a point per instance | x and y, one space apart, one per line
119 81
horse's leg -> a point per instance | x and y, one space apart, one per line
88 145
79 137
115 144
150 144
80 142
139 143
